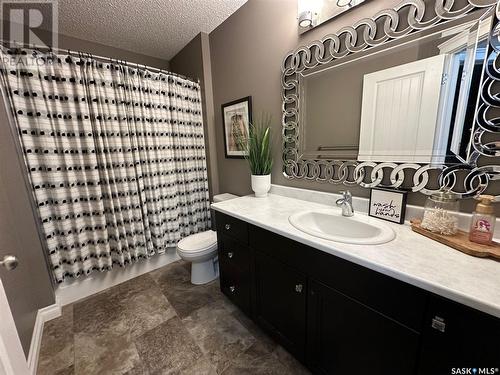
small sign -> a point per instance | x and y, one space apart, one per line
388 205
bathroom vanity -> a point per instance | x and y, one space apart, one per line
402 101
353 309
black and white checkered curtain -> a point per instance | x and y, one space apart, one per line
115 155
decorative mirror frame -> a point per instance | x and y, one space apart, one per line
475 174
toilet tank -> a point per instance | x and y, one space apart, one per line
223 197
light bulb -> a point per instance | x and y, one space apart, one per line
343 3
305 19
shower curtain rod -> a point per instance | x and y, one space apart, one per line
103 58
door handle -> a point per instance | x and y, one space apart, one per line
298 288
9 262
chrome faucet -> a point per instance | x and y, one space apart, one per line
346 203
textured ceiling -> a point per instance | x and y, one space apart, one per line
158 28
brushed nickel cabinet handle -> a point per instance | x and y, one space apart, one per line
438 324
232 288
298 288
230 255
227 226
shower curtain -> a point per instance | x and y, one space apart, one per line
115 156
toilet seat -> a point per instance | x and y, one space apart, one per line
199 244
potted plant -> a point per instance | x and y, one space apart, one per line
258 147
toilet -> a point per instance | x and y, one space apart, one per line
201 250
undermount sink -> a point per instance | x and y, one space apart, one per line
331 225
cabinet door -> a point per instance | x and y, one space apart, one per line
457 337
281 302
347 337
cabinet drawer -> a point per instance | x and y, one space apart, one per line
236 286
232 227
233 254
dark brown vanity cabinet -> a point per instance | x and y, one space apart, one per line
338 317
458 337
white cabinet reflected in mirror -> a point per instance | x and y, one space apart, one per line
400 112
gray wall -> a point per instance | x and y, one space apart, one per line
194 61
247 52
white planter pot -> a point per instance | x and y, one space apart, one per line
261 185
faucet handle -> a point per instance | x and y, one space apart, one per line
346 194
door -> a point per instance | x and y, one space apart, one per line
281 302
347 337
28 287
12 359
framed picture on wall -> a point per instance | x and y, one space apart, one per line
236 119
388 204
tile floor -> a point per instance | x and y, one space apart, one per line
159 323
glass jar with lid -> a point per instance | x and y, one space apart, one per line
441 213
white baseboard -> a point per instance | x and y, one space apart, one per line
42 316
83 287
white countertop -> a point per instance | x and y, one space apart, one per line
410 257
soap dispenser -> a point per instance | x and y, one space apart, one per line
483 221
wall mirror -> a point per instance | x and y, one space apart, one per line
404 99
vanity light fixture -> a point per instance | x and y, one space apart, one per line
308 11
312 13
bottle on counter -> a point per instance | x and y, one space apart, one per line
483 221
